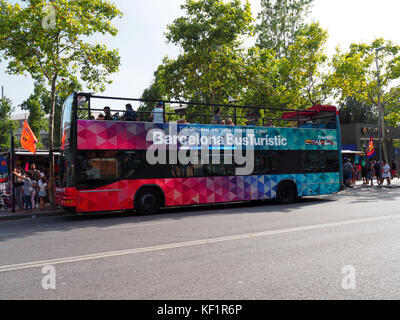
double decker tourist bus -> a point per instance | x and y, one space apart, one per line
144 166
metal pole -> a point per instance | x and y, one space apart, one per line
12 162
380 120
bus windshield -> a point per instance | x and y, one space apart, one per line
66 122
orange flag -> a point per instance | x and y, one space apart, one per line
28 139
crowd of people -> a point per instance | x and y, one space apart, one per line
369 171
156 116
31 188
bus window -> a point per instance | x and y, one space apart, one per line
100 165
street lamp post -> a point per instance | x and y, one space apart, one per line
380 111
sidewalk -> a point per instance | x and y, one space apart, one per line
21 214
395 184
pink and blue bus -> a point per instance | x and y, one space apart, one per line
144 166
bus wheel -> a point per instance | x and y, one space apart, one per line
148 201
287 193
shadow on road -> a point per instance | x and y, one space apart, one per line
370 194
29 227
26 228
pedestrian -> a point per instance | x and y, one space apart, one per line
378 172
229 122
386 173
27 178
158 114
394 170
19 188
36 176
43 192
355 174
348 173
364 173
369 173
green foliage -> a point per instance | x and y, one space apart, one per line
154 92
355 112
210 24
6 124
47 40
355 73
65 89
211 66
34 105
281 22
295 81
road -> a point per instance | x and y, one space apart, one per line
241 251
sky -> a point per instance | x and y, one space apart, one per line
142 43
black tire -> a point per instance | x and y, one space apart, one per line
148 201
287 193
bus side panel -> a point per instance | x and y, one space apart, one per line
192 191
187 191
112 197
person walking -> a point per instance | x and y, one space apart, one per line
394 170
19 188
36 176
364 173
42 192
348 173
386 173
378 172
369 173
27 178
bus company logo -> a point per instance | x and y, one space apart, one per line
320 142
200 146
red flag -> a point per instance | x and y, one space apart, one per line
28 139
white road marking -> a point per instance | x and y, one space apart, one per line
37 264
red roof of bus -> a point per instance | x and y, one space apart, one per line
307 113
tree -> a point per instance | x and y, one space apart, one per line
6 124
47 40
353 111
281 22
295 81
33 104
66 87
154 92
355 75
211 66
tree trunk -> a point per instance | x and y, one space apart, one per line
385 153
51 144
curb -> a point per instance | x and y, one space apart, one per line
33 215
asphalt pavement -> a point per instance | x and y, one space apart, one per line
342 246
